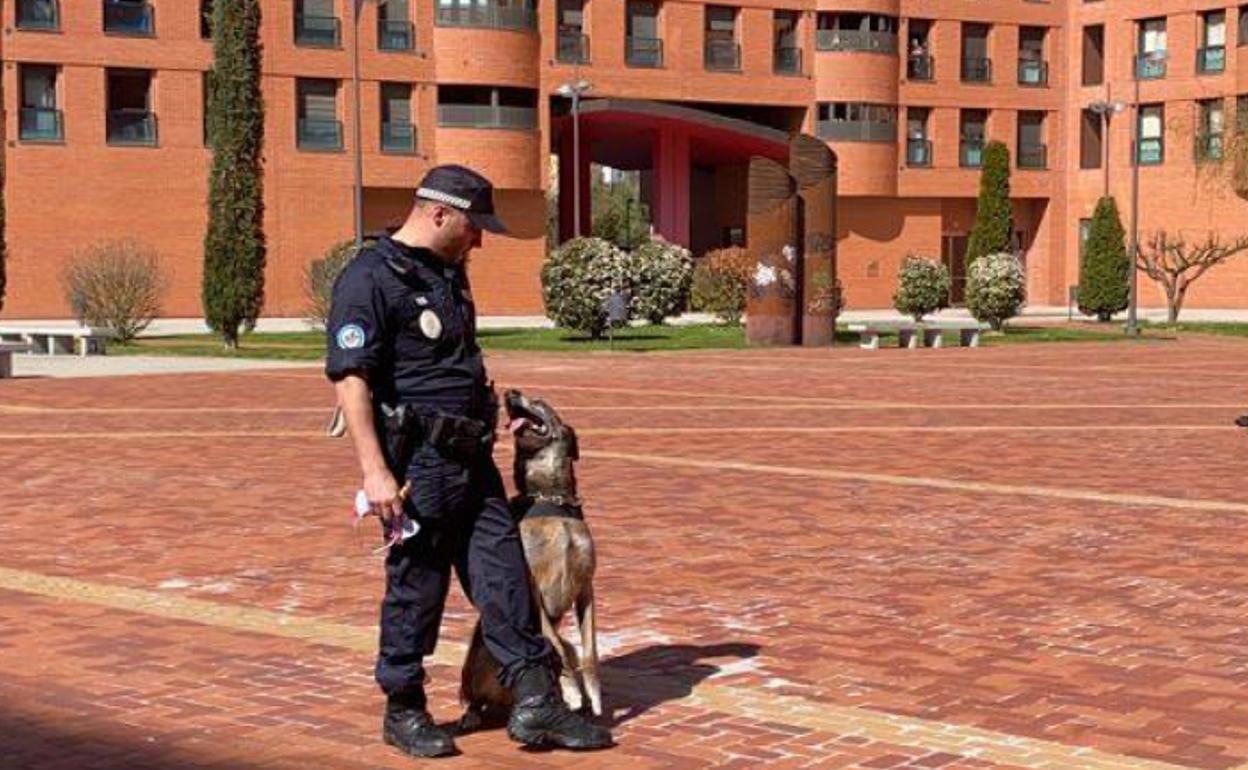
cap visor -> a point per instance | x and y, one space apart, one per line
487 222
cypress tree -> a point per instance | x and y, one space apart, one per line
1106 270
234 246
993 219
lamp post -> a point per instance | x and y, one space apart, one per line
1106 109
573 91
1133 326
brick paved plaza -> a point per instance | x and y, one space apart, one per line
1027 557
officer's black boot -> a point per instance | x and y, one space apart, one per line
409 728
541 718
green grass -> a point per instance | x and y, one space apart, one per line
1203 327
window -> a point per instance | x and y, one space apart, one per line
1151 150
1032 152
1085 232
316 26
129 119
973 130
1241 114
487 107
1211 56
395 31
317 127
644 47
573 44
857 122
1033 70
1210 127
1091 139
1243 25
918 145
976 66
205 89
487 14
1151 57
38 14
129 17
1094 55
205 19
39 119
856 32
721 51
397 133
919 63
786 50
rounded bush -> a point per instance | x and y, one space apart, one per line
996 288
319 276
923 287
577 279
117 285
720 281
660 274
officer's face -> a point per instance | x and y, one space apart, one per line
456 234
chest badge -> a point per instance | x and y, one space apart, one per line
430 324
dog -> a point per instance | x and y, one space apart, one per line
560 554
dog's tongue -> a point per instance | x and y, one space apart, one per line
516 424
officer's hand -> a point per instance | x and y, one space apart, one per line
383 495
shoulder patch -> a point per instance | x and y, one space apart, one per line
350 337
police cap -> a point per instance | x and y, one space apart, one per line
462 188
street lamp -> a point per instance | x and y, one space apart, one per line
1106 109
1133 326
573 91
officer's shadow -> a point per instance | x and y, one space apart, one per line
637 681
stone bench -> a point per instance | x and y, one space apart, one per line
54 340
7 349
911 335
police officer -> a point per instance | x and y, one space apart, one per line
402 332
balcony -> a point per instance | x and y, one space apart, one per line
487 116
643 51
921 67
1209 147
787 60
976 70
129 18
1033 73
1033 156
855 40
919 153
971 153
318 31
722 56
487 16
572 47
856 131
42 15
1211 59
131 127
395 35
1151 152
1151 66
398 138
319 134
38 124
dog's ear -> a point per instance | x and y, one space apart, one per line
574 448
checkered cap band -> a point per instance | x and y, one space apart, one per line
442 197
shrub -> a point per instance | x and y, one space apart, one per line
1106 270
720 281
118 285
923 287
319 276
659 277
994 220
996 288
577 278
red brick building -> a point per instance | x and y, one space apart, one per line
104 133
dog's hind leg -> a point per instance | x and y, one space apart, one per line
589 649
567 656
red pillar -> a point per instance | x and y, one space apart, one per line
567 190
671 185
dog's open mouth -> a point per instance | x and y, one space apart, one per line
522 419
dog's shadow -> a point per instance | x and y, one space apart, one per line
637 681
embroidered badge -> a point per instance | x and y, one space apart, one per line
430 324
351 337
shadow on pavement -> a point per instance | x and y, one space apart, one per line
635 682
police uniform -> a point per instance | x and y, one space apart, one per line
406 319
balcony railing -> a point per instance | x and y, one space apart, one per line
787 60
38 124
487 16
643 51
976 70
1211 59
572 46
131 127
1033 156
1151 67
487 116
398 137
722 55
1033 73
318 31
129 18
856 131
1208 147
855 40
919 153
395 35
38 14
971 153
319 134
1150 152
920 67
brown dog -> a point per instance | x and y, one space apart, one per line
560 554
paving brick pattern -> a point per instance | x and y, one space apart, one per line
996 558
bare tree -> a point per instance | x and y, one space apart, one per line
1172 262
